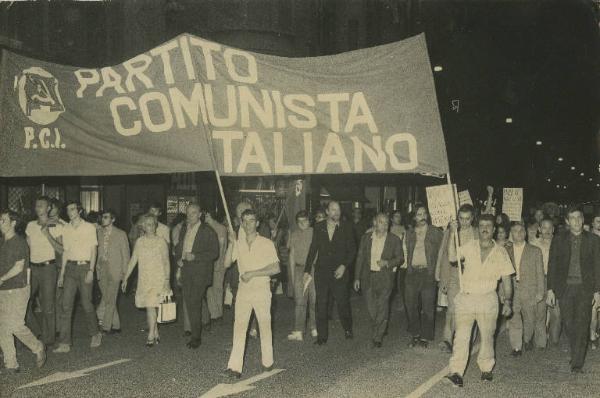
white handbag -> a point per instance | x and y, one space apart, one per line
167 310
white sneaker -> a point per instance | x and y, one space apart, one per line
314 333
295 336
62 349
96 340
253 333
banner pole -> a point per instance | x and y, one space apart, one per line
456 235
218 176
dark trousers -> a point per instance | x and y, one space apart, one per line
75 282
232 276
401 287
43 283
576 313
195 285
420 303
324 284
377 294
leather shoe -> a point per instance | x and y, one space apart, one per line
516 353
487 376
377 344
193 344
231 374
321 342
348 334
455 379
268 368
576 369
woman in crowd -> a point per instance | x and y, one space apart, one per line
152 255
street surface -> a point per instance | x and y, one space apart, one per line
124 367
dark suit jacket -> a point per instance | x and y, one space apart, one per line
531 273
392 252
331 254
560 258
205 250
433 240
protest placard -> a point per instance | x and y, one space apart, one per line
464 197
512 203
441 204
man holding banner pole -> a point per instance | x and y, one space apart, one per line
485 263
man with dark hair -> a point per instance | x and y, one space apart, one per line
14 294
45 240
447 276
422 248
543 312
257 261
528 289
113 258
333 247
379 255
484 262
320 215
80 243
299 244
196 254
574 279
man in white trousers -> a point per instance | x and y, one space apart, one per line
257 261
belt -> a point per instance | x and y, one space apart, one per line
42 264
78 262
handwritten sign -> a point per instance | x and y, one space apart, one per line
441 204
464 197
512 203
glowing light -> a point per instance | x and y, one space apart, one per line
438 68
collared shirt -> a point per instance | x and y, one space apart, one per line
419 259
331 227
190 236
545 248
105 239
574 276
79 241
255 256
518 251
40 248
300 241
163 231
482 277
377 244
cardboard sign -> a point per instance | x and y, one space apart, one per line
512 203
464 197
441 205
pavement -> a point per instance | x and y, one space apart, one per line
124 367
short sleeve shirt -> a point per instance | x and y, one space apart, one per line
79 241
13 250
482 277
40 248
254 257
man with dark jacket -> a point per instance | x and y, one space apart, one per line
574 280
422 248
379 256
334 248
196 253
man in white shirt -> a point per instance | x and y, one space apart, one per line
80 244
44 239
257 260
485 263
543 312
379 255
528 289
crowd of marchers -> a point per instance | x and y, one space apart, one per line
537 277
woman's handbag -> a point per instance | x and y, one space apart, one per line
167 310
